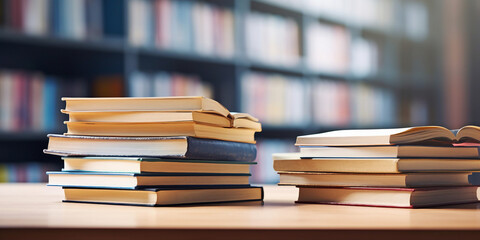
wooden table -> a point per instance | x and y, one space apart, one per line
34 211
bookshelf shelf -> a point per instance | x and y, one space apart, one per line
329 75
182 55
23 136
276 8
103 45
265 67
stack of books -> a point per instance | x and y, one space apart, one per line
403 167
155 151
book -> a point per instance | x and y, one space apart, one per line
141 165
280 39
289 163
163 196
198 27
389 197
171 147
148 116
402 151
276 99
164 84
235 120
146 104
152 129
139 180
394 136
395 180
245 120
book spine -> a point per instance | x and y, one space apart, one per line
220 150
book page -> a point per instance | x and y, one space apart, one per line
360 133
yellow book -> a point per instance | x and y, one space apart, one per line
161 130
187 103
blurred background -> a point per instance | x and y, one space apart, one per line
302 66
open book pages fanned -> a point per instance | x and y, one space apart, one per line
427 135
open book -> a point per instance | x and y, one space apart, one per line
395 136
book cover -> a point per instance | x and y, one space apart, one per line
122 180
207 149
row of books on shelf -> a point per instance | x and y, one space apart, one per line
276 99
29 101
371 13
329 48
273 39
280 100
78 19
182 25
376 14
163 84
25 172
208 29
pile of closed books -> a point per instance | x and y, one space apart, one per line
155 151
404 167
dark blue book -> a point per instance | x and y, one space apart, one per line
55 17
168 147
142 180
113 12
50 89
164 196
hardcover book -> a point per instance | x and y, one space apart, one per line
397 180
375 165
163 196
389 152
142 180
148 116
193 103
388 197
159 165
235 120
161 129
171 147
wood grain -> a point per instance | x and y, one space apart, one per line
37 210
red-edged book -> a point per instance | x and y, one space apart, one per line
388 197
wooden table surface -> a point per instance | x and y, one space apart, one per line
34 210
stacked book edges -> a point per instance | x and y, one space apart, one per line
155 152
403 167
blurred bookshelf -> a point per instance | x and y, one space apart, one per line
300 66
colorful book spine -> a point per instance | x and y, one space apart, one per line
331 103
272 39
276 100
163 84
77 19
29 101
279 100
25 172
327 48
182 26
